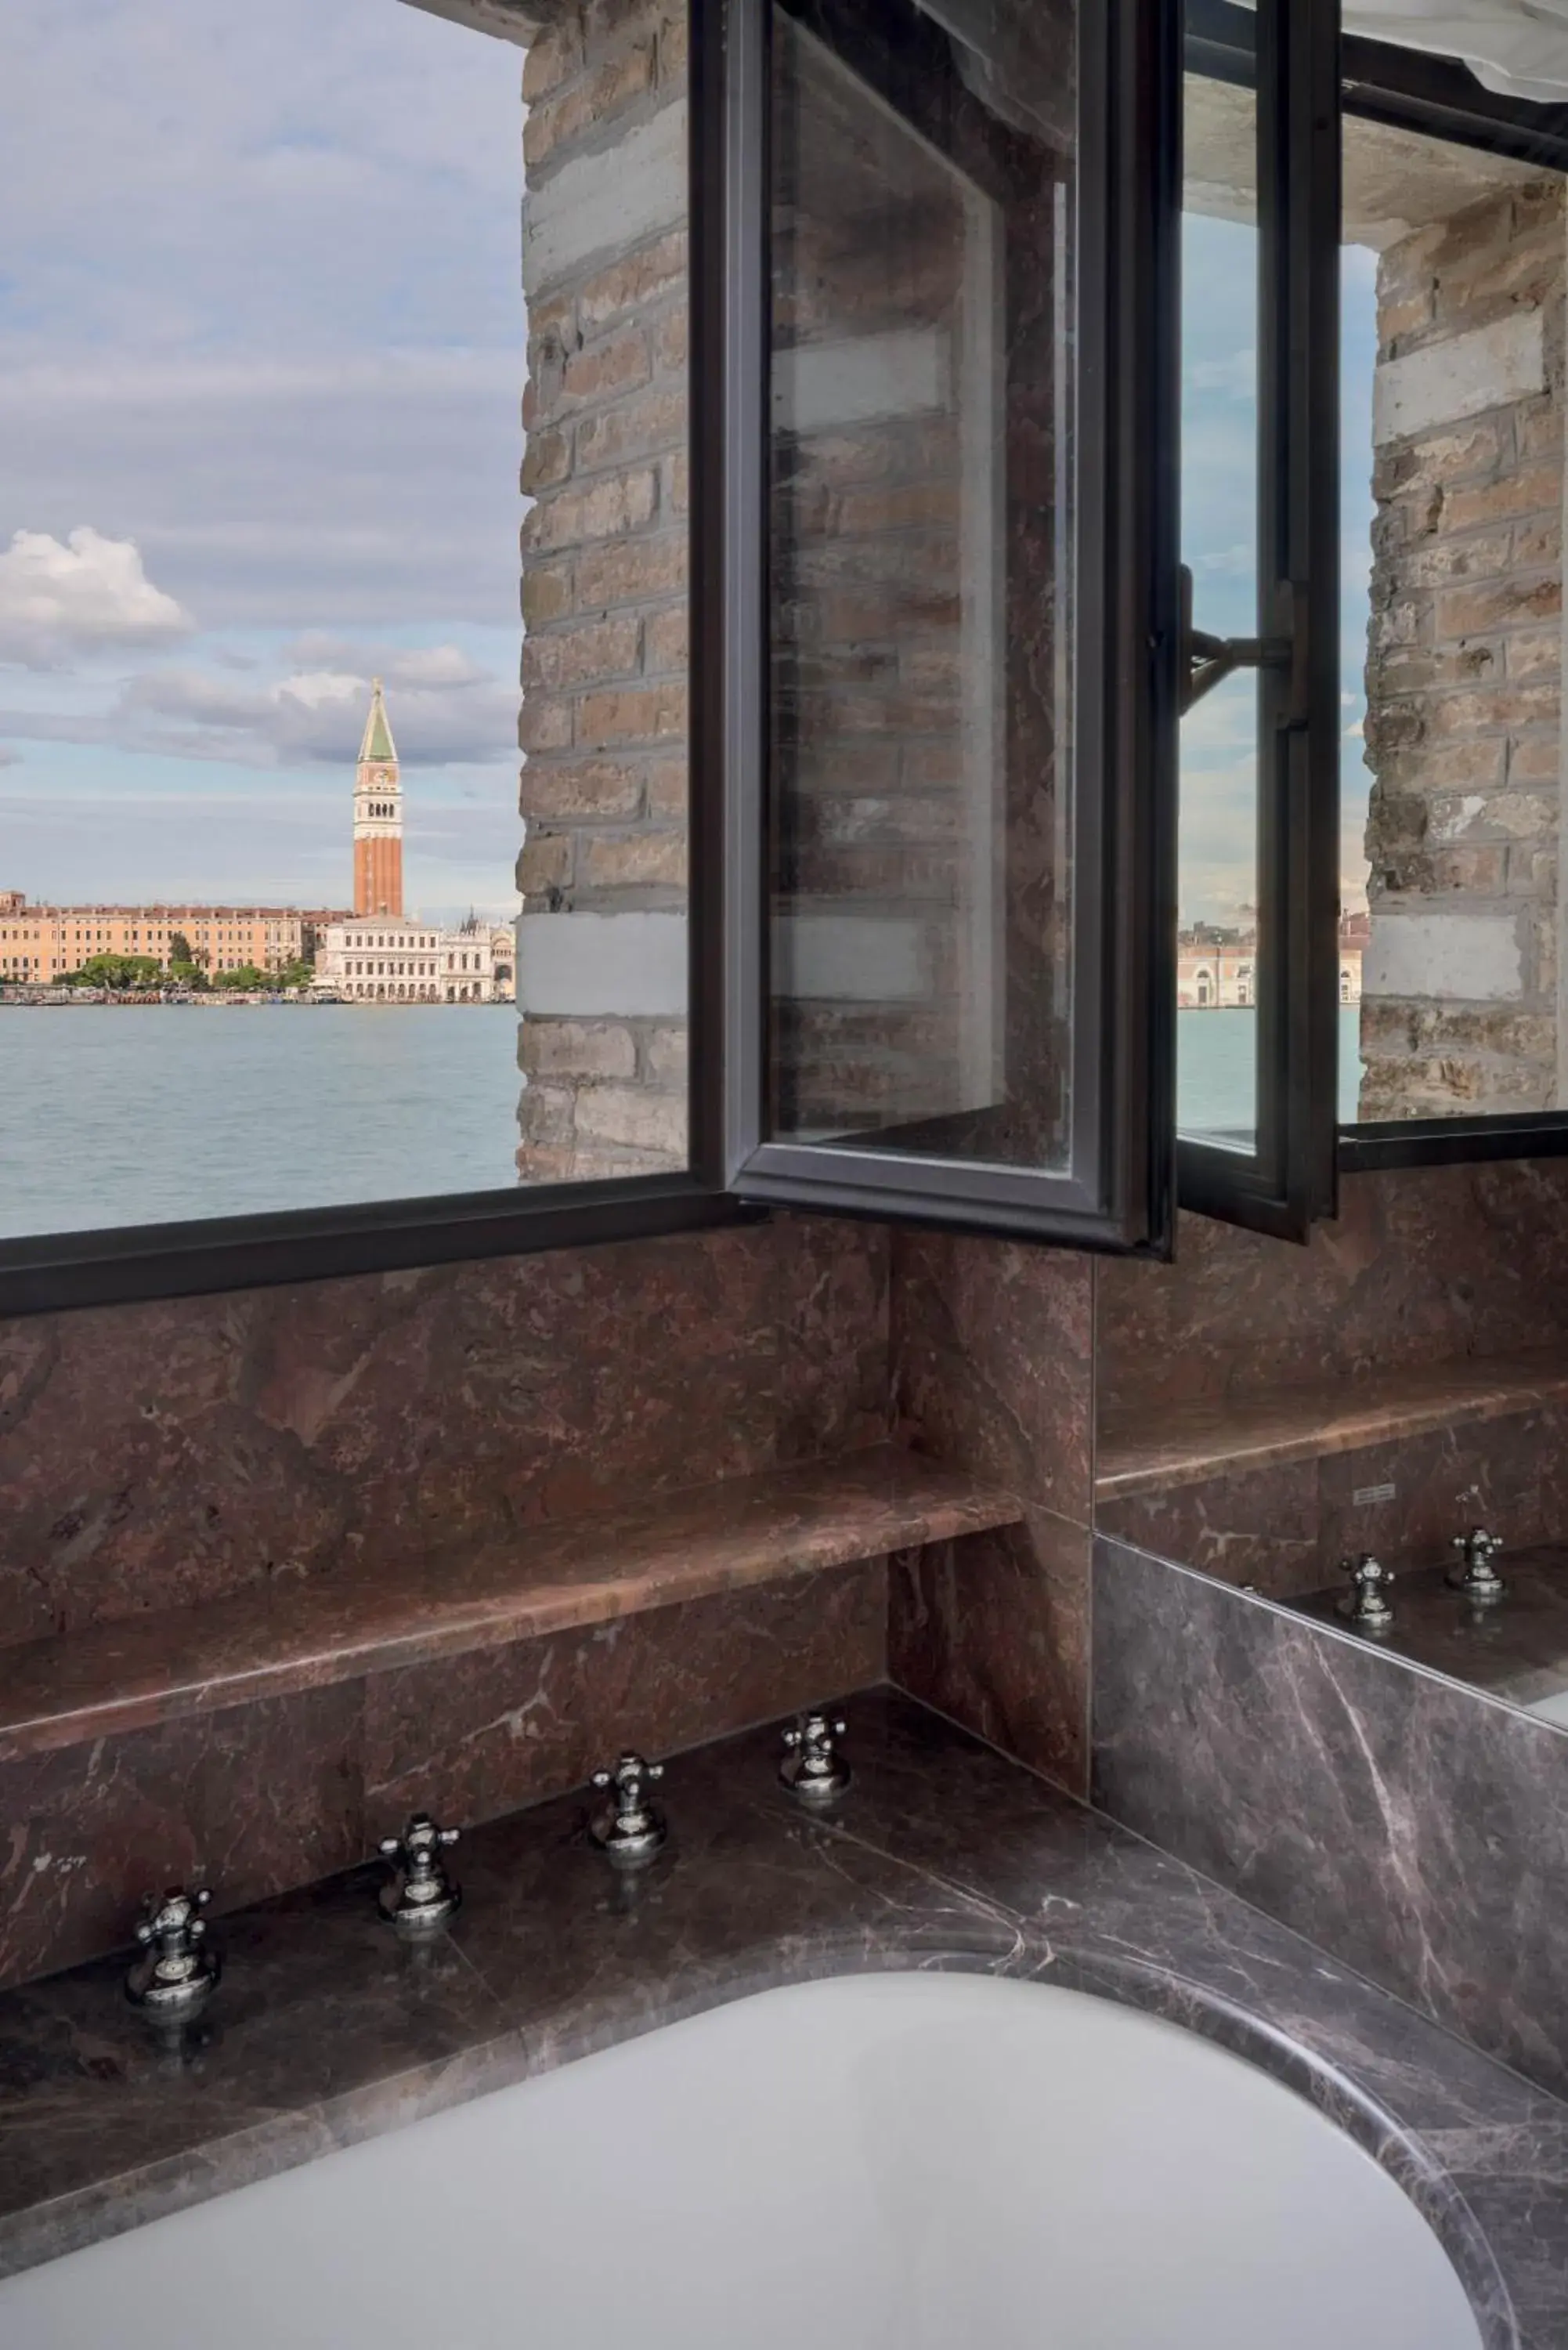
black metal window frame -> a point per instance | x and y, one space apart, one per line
1288 52
53 1271
1410 90
1118 1191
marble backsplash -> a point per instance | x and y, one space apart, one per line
155 1456
1413 1829
992 1363
1422 1264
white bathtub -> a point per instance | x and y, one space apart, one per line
881 2162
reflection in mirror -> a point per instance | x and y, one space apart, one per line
1453 391
266 329
922 866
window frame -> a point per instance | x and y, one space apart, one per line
1118 1194
1289 55
50 1273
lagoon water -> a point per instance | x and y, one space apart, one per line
116 1116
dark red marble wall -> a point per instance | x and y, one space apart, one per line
154 1456
1422 1265
993 1370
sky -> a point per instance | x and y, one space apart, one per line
261 359
1217 835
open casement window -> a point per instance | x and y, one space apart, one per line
1258 867
940 679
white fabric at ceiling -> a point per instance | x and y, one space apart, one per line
1517 48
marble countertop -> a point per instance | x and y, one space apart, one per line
327 2030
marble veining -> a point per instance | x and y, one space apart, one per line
596 1569
1416 1828
945 1855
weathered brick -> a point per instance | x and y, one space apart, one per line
599 509
635 282
1534 652
668 788
1538 760
1510 604
546 458
648 713
644 1119
665 641
634 860
634 571
577 1048
544 722
670 341
616 363
665 1056
546 592
638 427
1507 495
586 104
562 657
552 55
545 863
582 788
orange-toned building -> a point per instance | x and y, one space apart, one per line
41 943
378 819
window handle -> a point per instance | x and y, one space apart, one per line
1207 661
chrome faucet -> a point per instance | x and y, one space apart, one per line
812 1768
629 1827
1366 1602
1475 1575
422 1898
176 1975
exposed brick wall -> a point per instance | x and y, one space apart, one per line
1461 1009
604 721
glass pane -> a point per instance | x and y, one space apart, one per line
1452 973
922 534
1216 861
263 316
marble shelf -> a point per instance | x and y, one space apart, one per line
1221 1436
267 1640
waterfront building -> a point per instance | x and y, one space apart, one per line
378 819
39 944
1216 969
411 961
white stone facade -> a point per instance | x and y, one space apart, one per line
379 960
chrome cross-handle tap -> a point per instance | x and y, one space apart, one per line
1474 1574
629 1827
176 1975
1366 1602
421 1898
812 1768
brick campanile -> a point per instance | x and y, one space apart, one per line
378 818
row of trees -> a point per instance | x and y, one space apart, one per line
141 975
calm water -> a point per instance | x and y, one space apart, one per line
1216 1091
125 1116
118 1117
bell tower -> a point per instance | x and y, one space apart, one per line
378 818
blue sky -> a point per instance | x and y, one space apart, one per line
1219 523
261 358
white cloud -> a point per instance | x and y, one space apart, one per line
80 595
445 711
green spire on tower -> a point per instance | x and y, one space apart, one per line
378 748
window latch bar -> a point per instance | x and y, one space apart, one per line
1207 661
